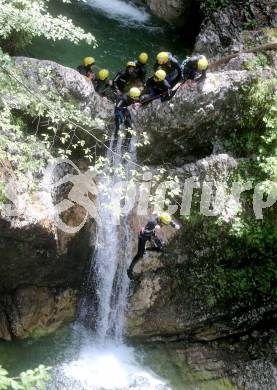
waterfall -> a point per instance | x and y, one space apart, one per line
118 9
104 361
104 302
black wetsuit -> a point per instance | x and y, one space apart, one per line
190 70
104 89
121 112
86 70
154 89
141 71
172 68
148 234
124 81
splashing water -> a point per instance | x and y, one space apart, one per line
106 366
117 9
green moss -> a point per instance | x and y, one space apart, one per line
270 32
259 62
170 362
39 331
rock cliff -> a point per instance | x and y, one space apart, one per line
170 10
239 25
190 123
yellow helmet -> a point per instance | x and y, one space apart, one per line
165 218
131 64
134 93
202 64
162 57
143 58
160 75
88 61
103 74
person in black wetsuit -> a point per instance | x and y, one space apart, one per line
103 85
156 87
126 79
86 68
141 69
148 233
195 66
122 114
167 62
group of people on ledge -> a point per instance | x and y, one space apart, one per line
131 86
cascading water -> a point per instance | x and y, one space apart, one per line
120 9
105 362
108 275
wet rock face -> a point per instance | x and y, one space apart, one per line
191 122
169 10
153 311
34 252
66 82
239 25
31 254
35 311
166 303
54 262
244 363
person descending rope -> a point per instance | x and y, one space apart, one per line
141 69
156 87
125 80
167 62
103 85
86 68
195 66
122 113
148 233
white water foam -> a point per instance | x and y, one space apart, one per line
109 367
118 9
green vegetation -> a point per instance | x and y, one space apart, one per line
256 140
210 6
35 121
237 266
258 62
235 262
38 121
22 20
26 380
